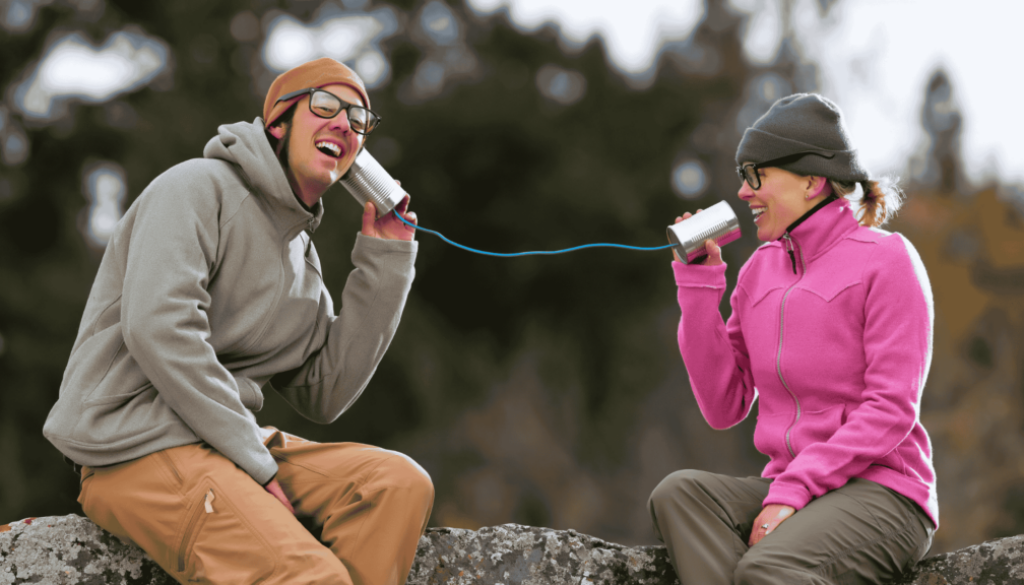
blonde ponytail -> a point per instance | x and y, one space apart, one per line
879 202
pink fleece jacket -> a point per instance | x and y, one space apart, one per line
831 327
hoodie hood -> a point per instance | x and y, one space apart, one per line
245 146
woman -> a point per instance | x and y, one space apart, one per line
831 327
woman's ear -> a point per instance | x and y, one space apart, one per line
815 187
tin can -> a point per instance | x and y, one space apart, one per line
368 181
718 223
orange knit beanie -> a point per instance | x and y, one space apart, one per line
317 73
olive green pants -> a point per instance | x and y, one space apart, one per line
860 533
204 520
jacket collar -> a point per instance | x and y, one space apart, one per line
821 228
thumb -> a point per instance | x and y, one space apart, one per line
369 216
714 253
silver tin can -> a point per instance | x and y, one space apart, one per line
368 181
718 223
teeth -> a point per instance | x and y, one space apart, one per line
757 211
329 146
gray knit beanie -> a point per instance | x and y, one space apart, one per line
803 122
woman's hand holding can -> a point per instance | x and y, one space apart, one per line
714 251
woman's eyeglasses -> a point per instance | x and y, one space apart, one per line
327 105
748 171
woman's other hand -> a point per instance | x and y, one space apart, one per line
389 227
714 251
768 520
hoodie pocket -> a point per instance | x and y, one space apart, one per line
816 427
250 393
770 434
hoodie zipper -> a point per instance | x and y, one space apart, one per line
790 246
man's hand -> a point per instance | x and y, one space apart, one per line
275 490
714 251
389 227
771 516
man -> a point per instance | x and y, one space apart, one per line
211 290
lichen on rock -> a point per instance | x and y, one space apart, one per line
527 555
71 550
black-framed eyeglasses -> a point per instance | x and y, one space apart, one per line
327 105
748 171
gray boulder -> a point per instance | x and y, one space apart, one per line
70 550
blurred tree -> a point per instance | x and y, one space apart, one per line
939 165
972 243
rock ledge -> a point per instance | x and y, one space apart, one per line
71 550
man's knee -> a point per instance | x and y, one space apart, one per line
402 472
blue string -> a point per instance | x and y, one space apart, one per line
545 253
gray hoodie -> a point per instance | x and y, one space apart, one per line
209 289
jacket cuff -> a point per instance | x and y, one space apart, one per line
262 470
700 276
380 245
787 494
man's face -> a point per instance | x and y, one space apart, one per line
319 150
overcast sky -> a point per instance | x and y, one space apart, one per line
875 56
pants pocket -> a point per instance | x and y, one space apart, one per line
217 541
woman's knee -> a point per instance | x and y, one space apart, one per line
761 566
677 483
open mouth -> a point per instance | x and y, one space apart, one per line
329 148
757 211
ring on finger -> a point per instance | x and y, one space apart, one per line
764 526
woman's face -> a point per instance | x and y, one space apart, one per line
780 201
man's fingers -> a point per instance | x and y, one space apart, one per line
274 488
403 205
281 498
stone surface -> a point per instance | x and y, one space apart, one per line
527 555
70 550
995 562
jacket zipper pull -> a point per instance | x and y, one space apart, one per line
208 503
788 244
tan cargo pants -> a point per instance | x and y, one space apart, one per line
204 520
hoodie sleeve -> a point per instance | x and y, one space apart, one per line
714 352
172 251
331 380
898 318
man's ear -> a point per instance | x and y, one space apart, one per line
278 130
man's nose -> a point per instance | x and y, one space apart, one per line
340 122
